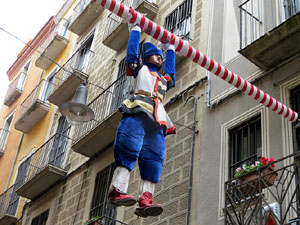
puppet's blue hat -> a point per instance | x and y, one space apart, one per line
148 50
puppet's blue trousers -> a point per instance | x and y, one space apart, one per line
138 138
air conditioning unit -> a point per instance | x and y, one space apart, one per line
275 208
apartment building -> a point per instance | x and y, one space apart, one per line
256 40
218 128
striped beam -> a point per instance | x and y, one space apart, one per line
185 49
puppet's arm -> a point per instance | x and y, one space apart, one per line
169 70
132 58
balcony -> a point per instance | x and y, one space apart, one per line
84 15
15 89
269 31
116 32
7 211
34 107
96 135
3 136
45 162
52 48
259 202
69 76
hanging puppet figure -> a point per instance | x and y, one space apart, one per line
145 123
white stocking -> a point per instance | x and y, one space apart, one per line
146 186
120 179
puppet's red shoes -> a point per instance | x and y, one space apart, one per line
146 208
119 198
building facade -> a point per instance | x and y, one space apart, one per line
67 176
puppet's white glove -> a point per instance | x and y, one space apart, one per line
135 27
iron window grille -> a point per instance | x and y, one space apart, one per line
245 144
41 219
100 206
179 21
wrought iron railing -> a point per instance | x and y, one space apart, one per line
257 17
17 84
106 220
40 92
79 8
3 136
113 21
79 61
273 195
108 213
52 152
106 103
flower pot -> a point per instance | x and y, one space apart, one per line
249 182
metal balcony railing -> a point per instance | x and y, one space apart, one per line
52 152
272 196
106 220
113 21
79 62
40 92
3 136
17 84
79 8
104 105
257 17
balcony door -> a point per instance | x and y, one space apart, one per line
21 177
48 85
84 55
60 141
5 131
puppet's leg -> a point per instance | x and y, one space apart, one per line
118 191
127 146
150 164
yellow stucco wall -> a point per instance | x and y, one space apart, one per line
39 134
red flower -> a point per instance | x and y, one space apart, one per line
264 160
270 161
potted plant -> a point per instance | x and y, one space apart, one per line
93 221
248 176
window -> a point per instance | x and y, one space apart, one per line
291 7
4 132
84 55
64 27
245 144
60 142
20 179
41 219
123 86
48 84
179 21
295 102
100 206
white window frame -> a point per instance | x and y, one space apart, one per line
225 148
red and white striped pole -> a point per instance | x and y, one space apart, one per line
185 49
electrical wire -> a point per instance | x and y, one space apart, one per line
67 71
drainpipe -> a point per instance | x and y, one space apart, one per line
192 157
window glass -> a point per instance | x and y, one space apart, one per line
41 219
245 144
